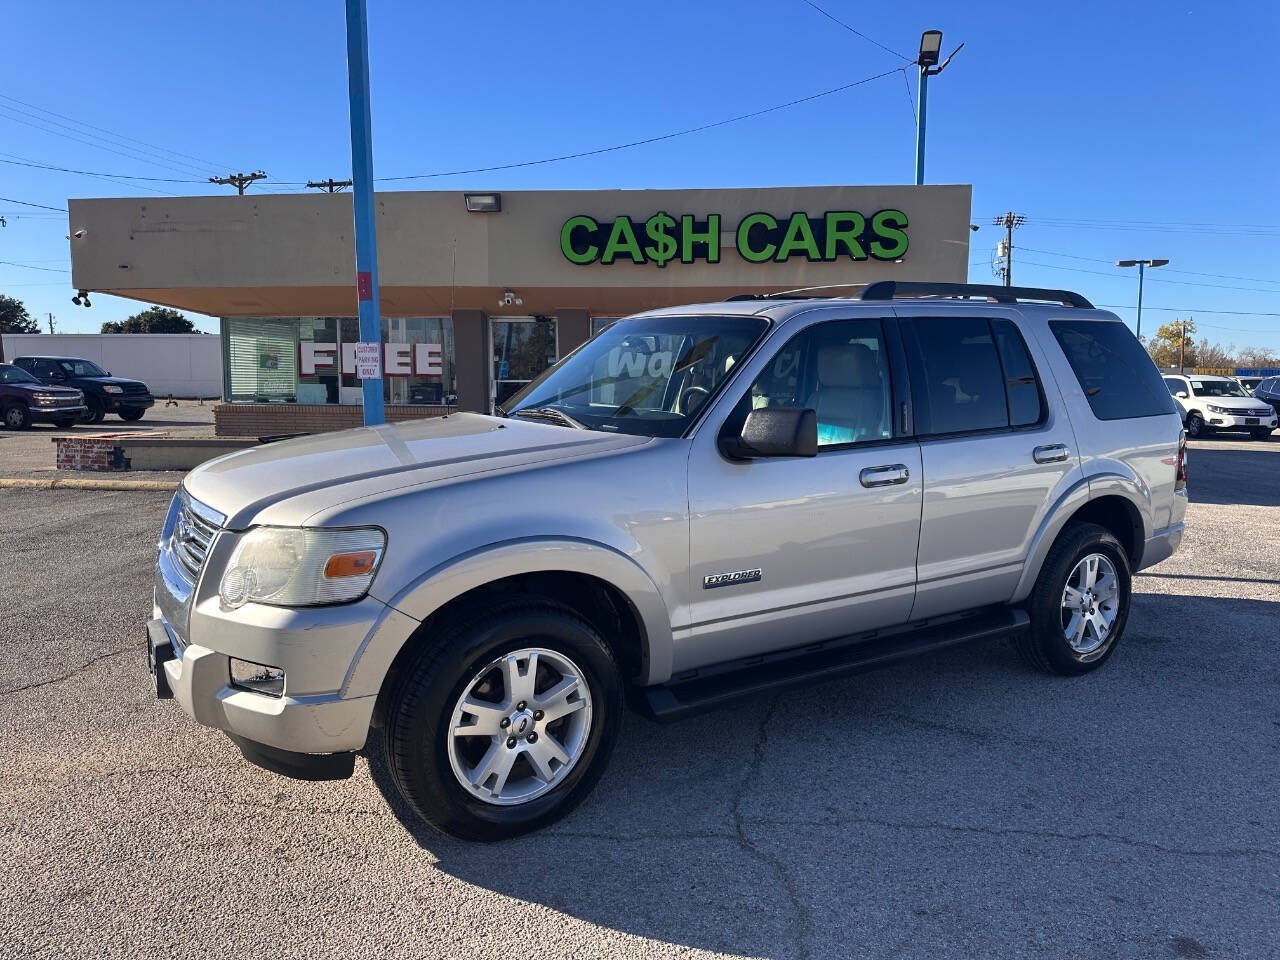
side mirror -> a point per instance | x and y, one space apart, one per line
1181 395
774 432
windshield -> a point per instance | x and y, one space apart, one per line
647 376
12 374
82 368
1218 388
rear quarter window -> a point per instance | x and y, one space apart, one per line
1114 371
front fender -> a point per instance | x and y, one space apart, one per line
461 574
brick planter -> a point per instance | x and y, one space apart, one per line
278 419
98 451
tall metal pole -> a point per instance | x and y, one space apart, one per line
922 98
362 194
1008 250
1141 267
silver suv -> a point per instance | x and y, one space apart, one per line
699 503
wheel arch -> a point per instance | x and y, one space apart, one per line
605 587
1117 510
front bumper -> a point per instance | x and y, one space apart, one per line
1240 421
115 402
54 414
200 681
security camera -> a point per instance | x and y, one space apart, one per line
76 299
509 299
86 301
79 234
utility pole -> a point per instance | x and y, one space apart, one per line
328 186
238 180
362 195
51 323
1182 342
1009 221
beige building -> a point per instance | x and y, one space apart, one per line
480 292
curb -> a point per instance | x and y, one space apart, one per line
85 483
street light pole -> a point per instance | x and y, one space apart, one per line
362 194
1142 266
927 60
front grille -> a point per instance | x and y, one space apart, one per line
193 532
135 388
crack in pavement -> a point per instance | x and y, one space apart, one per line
800 915
67 676
1226 852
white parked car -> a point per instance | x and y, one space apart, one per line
1210 404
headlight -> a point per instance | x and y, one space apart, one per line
1214 408
112 388
292 567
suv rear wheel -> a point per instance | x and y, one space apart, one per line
1080 602
504 723
1196 426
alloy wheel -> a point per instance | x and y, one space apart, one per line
520 725
1090 606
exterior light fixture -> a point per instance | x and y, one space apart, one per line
930 48
1141 265
483 202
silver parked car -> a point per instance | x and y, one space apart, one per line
699 504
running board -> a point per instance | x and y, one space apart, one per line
711 688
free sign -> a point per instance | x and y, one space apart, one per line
397 360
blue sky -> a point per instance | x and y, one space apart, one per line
1120 130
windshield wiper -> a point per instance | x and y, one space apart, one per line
550 413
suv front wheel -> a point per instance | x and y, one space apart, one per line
1080 602
506 721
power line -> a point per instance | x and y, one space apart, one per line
1191 273
836 20
96 146
911 100
112 133
636 143
27 203
18 161
1150 279
32 266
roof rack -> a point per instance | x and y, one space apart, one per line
894 289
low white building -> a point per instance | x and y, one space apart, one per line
186 365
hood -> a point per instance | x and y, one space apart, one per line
118 381
329 468
44 388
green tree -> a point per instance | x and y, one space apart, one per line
1174 339
14 319
152 320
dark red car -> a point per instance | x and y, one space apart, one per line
25 400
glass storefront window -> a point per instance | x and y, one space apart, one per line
312 359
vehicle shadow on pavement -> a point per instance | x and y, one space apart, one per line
1242 477
943 802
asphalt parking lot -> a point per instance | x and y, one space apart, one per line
956 806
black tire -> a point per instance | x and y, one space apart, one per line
65 423
17 416
1263 433
94 412
132 415
422 699
1044 644
1196 426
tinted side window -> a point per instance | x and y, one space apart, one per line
1173 385
1022 389
1113 369
839 369
957 384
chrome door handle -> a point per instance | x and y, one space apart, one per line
1050 453
884 476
